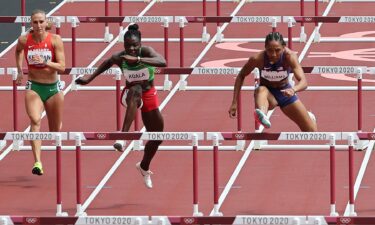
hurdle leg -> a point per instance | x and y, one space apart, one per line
332 170
107 36
205 35
360 144
78 141
351 178
59 211
317 35
195 176
215 140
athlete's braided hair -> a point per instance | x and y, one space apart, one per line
133 30
275 36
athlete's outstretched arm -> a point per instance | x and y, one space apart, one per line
105 65
245 70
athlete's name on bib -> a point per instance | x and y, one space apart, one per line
137 75
274 75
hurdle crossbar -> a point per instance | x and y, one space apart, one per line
27 19
330 19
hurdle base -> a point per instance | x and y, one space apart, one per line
138 144
240 145
317 36
333 210
167 85
216 211
361 145
351 210
17 145
3 143
196 211
183 85
108 37
302 35
59 211
80 212
205 35
258 144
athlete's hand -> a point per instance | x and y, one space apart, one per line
289 92
82 81
19 78
233 110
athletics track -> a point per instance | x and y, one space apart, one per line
268 183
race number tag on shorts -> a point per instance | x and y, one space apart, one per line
136 75
274 75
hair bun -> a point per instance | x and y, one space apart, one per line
133 27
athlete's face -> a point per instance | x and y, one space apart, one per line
274 50
39 22
132 45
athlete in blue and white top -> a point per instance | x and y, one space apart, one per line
275 63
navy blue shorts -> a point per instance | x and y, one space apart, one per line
281 99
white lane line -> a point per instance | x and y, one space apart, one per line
246 155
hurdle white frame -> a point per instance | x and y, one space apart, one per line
168 220
194 137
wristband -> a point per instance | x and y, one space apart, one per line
139 59
294 90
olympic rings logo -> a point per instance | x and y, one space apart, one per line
308 18
189 220
92 19
239 136
345 220
31 220
101 136
157 70
200 19
372 136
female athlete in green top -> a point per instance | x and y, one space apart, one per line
137 63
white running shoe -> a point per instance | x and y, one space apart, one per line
262 118
119 146
146 175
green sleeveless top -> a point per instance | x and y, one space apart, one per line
138 72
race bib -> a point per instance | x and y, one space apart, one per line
136 75
46 54
274 75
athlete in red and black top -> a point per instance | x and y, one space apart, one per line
44 54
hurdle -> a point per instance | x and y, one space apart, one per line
296 136
358 70
57 20
58 137
331 19
171 136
